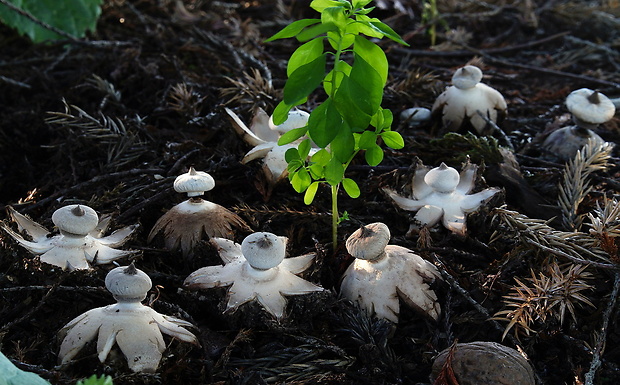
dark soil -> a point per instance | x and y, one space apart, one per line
111 121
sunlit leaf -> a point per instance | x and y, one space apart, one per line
334 172
311 192
292 135
351 187
393 139
389 32
305 54
374 155
293 29
304 80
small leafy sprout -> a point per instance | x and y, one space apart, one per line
351 119
94 380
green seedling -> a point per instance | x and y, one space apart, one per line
94 380
351 118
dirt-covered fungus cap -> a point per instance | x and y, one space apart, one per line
75 219
295 119
263 250
194 183
466 77
590 106
442 178
369 242
128 283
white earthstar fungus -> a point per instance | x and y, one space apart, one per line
467 95
80 243
136 329
382 273
264 135
185 223
589 109
255 270
442 194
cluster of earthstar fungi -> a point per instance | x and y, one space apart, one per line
257 269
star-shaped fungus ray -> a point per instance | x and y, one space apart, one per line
256 270
80 243
442 194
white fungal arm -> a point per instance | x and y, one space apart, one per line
32 228
259 151
402 202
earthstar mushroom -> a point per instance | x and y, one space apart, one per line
462 102
382 273
80 243
136 329
264 135
255 270
589 109
185 223
442 193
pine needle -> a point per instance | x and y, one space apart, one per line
575 185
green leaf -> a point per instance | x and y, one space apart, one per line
360 94
360 3
292 154
389 32
292 135
343 145
336 41
305 54
368 139
315 30
304 148
94 380
334 172
351 187
363 25
311 192
280 113
321 157
324 123
374 155
320 5
293 29
335 15
301 180
294 165
334 78
373 55
74 17
316 171
304 80
393 139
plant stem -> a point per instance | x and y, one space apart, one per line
335 216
